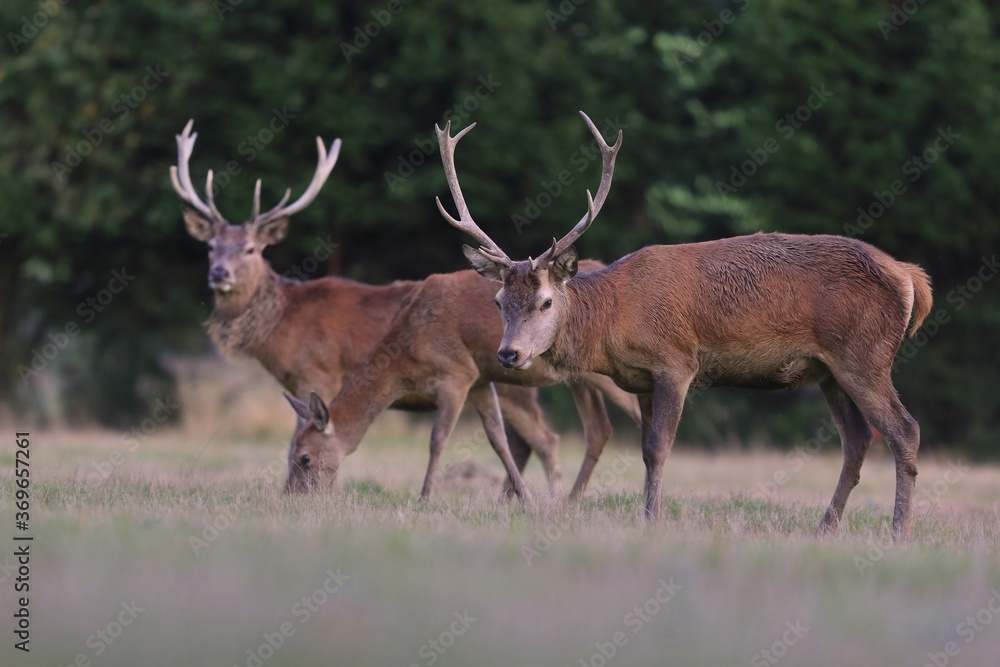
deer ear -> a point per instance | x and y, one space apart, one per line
319 413
301 407
565 265
198 225
483 265
272 231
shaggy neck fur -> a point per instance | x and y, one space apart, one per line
241 325
591 304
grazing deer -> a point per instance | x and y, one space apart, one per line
774 311
312 334
432 354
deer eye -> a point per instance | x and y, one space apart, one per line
249 250
546 305
498 305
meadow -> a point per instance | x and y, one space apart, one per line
184 551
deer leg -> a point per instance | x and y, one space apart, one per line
855 439
449 407
519 451
524 420
661 412
878 401
596 430
624 400
484 400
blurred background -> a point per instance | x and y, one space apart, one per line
879 120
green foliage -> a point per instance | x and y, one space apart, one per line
698 92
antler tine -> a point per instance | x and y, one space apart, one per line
180 176
211 197
255 211
608 154
465 221
324 165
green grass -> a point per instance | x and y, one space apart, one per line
217 557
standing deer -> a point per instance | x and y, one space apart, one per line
771 311
312 334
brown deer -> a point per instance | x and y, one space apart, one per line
775 311
312 334
428 353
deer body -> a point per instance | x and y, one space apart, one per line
767 310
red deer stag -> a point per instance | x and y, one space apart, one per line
312 334
768 310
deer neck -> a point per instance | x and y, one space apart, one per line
241 324
370 390
580 345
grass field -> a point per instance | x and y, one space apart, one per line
184 552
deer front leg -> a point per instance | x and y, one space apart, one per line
450 404
661 412
484 399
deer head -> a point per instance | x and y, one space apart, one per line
236 264
532 299
315 454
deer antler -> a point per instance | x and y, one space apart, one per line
487 246
180 176
608 154
324 166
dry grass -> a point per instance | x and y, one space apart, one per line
548 584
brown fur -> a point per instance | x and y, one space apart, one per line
429 354
767 310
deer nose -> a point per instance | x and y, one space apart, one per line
507 357
218 274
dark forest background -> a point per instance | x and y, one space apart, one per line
773 115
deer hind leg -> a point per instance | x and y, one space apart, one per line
450 403
855 439
596 430
661 412
625 401
875 396
484 400
524 420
